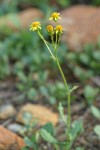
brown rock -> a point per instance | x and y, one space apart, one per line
38 112
20 20
7 111
9 140
27 16
82 24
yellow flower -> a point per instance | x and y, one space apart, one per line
55 16
35 26
59 29
50 28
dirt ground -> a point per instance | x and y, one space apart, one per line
79 110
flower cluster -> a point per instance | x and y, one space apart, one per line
54 16
58 29
54 32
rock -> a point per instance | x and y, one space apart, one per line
7 111
9 140
28 16
82 24
38 112
20 20
15 127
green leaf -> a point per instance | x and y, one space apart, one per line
37 136
96 112
84 58
47 136
90 94
61 111
52 100
27 117
22 76
32 94
64 145
33 139
79 73
49 127
77 128
79 148
64 3
96 55
44 90
74 88
97 130
28 142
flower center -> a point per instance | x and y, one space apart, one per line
35 24
59 28
55 15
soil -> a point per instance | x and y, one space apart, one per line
79 109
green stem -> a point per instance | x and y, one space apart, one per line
69 113
62 74
52 39
45 42
56 146
56 39
68 93
65 82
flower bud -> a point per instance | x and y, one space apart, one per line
50 29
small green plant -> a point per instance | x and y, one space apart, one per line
96 2
97 130
64 3
71 132
90 94
86 62
79 148
47 133
96 113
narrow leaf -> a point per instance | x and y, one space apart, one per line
47 136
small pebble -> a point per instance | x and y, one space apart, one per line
7 111
15 127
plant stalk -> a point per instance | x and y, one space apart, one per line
45 42
65 82
68 96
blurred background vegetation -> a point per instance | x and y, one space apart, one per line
24 58
7 6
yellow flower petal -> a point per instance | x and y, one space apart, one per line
35 26
55 16
59 29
